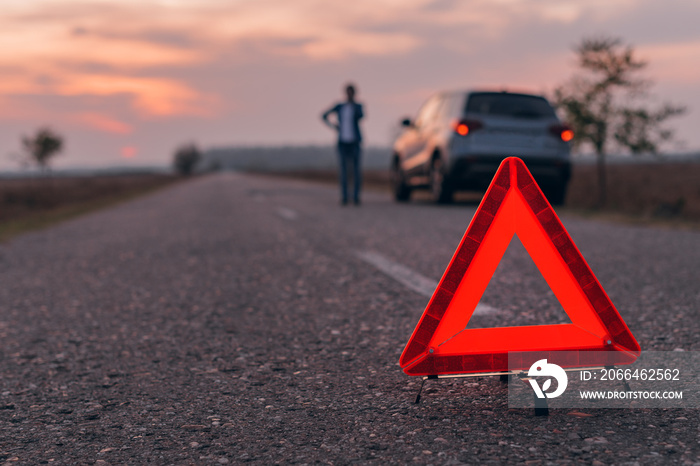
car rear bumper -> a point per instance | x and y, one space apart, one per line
476 172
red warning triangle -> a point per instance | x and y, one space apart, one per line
514 204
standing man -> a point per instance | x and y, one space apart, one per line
348 115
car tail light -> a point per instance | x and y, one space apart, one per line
563 132
465 126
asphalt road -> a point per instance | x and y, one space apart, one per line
237 319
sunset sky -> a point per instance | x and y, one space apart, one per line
126 81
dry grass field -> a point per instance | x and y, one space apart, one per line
653 190
32 203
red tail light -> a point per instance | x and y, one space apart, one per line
465 126
563 132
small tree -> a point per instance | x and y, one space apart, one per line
186 158
43 146
600 105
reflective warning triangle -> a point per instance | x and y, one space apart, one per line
515 205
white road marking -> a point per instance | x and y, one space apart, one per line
412 279
286 213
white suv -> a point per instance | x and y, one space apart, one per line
459 139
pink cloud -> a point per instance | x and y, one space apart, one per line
226 72
157 97
129 152
103 123
672 62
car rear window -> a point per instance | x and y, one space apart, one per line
510 105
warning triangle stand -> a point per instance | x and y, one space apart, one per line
514 205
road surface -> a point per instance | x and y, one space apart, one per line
234 319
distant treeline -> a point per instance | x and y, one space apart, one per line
286 158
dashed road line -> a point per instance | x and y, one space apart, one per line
412 279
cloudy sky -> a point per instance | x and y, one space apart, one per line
126 81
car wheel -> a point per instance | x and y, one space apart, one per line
440 187
402 192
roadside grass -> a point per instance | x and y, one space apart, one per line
30 205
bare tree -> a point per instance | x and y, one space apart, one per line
42 147
602 105
186 158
